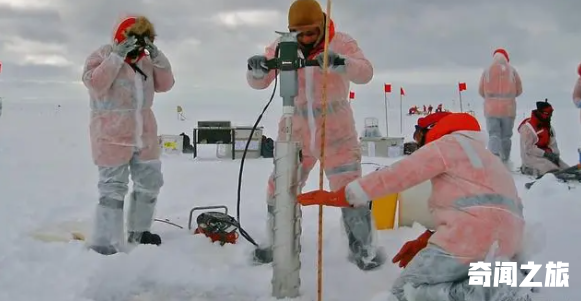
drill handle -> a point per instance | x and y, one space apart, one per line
274 64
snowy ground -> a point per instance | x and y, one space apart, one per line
46 176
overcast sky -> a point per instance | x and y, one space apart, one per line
426 46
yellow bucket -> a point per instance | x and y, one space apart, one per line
384 211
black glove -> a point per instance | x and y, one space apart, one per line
552 157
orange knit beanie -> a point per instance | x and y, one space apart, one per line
304 14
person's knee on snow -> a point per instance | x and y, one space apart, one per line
433 274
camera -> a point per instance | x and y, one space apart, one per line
140 40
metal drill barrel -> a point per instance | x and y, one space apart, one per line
287 227
286 247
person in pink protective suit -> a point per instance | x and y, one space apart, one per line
342 154
500 85
474 203
577 99
577 90
121 79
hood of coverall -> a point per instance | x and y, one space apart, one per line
425 124
500 55
305 16
454 122
140 27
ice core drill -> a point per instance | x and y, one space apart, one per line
286 245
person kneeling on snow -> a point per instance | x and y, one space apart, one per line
122 79
538 144
474 203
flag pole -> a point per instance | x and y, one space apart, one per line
400 112
385 103
460 98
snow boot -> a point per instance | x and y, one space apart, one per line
263 254
144 238
105 250
140 219
108 234
358 227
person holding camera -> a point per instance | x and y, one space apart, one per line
122 79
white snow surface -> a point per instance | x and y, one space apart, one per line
47 177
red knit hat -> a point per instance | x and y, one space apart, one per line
579 69
503 52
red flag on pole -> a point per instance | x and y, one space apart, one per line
401 91
462 87
351 95
387 88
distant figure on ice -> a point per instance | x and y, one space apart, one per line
577 90
500 85
577 99
121 79
188 148
538 143
440 108
474 202
343 154
430 109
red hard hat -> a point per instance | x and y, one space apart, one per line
431 119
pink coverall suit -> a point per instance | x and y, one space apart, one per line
577 99
474 203
124 139
500 85
343 154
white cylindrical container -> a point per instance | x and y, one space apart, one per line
413 206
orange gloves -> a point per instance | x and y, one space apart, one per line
411 248
325 198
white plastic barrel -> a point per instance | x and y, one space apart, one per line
413 206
